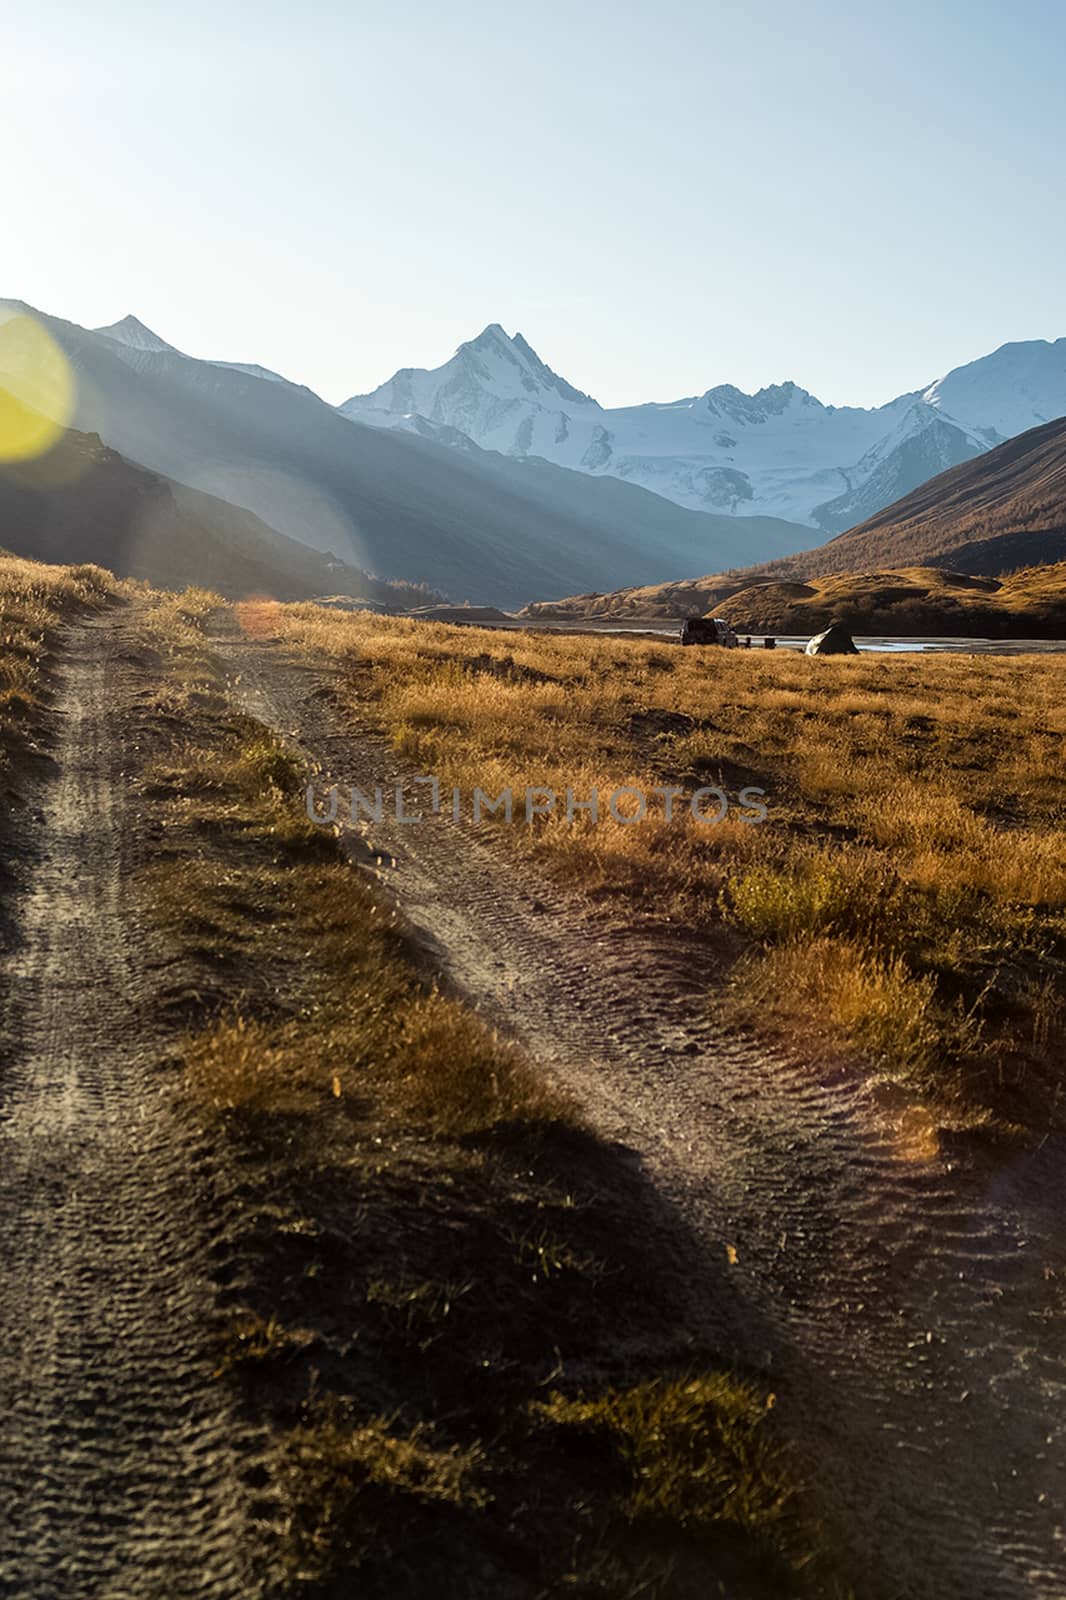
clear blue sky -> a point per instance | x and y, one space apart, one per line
660 197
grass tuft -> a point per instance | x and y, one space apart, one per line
697 1450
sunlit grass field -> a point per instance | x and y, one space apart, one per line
904 901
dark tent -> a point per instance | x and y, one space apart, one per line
835 641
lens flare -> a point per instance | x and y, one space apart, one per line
257 616
293 505
37 389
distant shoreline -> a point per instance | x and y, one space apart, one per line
666 630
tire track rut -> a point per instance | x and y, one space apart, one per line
909 1304
118 1453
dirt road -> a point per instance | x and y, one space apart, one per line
118 1454
910 1308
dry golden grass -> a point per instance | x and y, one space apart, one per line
34 601
697 1450
916 812
375 1024
838 990
909 600
361 1484
433 1242
434 1059
913 599
173 624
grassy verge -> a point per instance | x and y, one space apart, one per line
906 899
35 601
465 1318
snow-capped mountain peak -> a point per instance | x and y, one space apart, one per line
490 337
779 452
137 341
728 401
515 359
1018 386
495 389
132 333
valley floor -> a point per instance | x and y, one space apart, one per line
310 1283
906 1305
308 1279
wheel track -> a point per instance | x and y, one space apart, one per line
918 1347
119 1456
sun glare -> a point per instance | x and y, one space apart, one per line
37 390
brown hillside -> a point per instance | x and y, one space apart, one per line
999 512
690 597
909 601
905 601
83 502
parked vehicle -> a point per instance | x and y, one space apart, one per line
708 630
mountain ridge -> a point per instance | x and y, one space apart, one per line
1002 512
469 523
86 502
780 451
